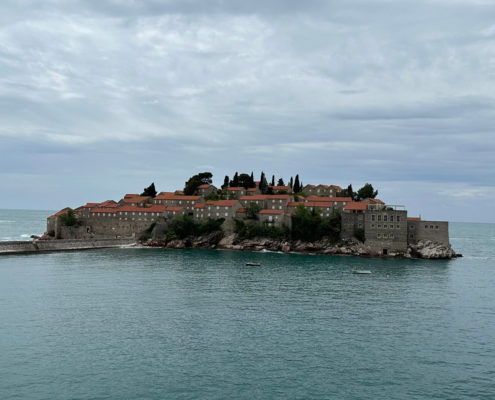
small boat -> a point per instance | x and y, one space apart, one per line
253 264
361 271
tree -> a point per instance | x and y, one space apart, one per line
235 181
367 192
263 183
225 182
297 186
195 181
347 193
149 191
246 181
69 219
291 182
252 210
280 182
273 180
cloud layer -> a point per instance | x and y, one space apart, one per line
100 98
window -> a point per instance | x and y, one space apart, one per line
397 226
372 225
391 236
384 218
379 236
379 226
372 217
379 218
436 226
398 218
385 226
226 214
426 226
411 235
217 214
391 218
431 226
384 235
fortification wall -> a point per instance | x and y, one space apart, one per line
436 231
37 246
107 227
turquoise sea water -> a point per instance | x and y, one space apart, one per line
196 324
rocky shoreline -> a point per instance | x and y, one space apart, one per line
217 240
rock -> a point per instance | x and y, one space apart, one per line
431 250
227 240
286 247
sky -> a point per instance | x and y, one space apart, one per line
101 98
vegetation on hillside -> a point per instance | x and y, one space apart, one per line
309 225
251 230
197 180
69 219
150 190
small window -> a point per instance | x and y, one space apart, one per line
384 218
372 225
431 226
385 226
379 236
426 226
436 226
398 218
372 217
391 236
379 226
391 218
379 218
397 226
385 236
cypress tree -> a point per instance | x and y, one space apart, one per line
291 182
280 182
273 180
235 180
225 182
263 183
297 185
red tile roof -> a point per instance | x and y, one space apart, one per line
278 196
180 192
254 197
356 206
277 212
317 204
336 187
414 218
329 199
173 196
61 212
375 201
235 189
252 189
105 210
281 188
174 208
135 198
152 209
200 205
223 203
204 186
241 210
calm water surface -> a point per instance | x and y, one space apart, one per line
193 324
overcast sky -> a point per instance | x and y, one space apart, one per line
101 98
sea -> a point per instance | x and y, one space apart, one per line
137 323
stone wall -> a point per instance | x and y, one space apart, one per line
350 222
37 246
436 231
386 231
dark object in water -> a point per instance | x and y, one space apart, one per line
253 264
361 271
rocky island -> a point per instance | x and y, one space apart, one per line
244 214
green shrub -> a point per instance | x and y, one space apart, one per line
184 226
69 219
260 229
359 234
309 225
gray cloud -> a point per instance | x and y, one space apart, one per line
120 93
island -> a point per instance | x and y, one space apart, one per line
244 214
